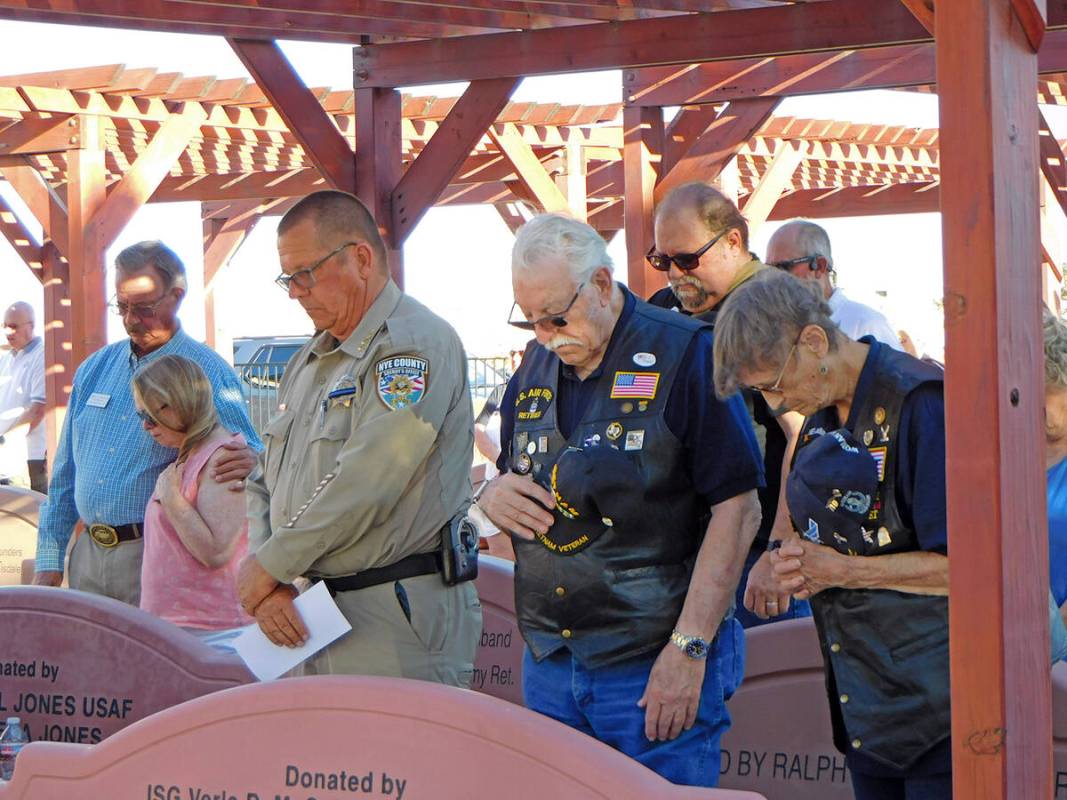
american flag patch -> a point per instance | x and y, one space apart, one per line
637 385
878 454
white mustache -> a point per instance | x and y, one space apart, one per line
687 280
558 341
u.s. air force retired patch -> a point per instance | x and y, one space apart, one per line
401 380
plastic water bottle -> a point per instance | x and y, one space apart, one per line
11 742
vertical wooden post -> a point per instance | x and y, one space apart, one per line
86 192
1001 706
222 239
378 164
642 147
59 369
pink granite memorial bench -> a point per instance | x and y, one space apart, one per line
780 743
333 738
498 662
78 667
18 532
1059 730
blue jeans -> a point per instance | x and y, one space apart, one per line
602 703
797 608
928 787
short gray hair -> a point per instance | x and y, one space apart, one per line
142 255
812 239
1055 349
761 320
560 237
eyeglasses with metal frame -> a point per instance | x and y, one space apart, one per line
140 310
305 278
555 320
686 262
776 387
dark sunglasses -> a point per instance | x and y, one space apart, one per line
792 262
684 261
555 320
146 418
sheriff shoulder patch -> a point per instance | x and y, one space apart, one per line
401 380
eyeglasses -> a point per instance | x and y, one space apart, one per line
16 326
555 320
141 310
776 387
146 418
684 261
792 262
305 278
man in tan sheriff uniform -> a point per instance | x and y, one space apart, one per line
367 458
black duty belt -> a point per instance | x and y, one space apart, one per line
109 536
410 567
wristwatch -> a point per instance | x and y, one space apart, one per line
693 646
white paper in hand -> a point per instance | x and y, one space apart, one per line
322 618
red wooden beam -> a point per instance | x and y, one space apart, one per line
642 149
801 27
223 19
128 195
34 135
688 125
303 114
58 345
378 165
20 239
86 193
994 394
805 73
1032 15
531 172
447 150
1053 162
923 11
47 207
859 201
722 140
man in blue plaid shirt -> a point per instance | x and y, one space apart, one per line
106 465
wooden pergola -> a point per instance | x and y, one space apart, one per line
728 63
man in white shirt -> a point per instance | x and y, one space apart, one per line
803 248
22 398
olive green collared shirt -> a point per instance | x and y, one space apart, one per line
363 479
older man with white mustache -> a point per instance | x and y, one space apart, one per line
702 245
626 613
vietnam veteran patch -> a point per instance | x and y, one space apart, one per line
401 380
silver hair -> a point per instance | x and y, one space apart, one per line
1055 349
139 256
559 237
812 239
761 320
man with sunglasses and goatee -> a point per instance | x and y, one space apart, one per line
624 607
702 245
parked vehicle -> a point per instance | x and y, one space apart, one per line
260 363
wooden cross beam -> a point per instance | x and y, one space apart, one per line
447 150
302 112
528 167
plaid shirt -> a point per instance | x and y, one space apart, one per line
106 464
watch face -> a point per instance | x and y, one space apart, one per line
696 648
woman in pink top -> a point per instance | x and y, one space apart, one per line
195 532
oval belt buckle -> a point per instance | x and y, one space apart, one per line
104 535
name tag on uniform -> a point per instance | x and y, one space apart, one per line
98 400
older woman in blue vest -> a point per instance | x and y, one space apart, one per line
868 501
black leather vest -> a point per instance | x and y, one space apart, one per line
769 434
886 652
621 595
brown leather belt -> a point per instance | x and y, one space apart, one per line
109 536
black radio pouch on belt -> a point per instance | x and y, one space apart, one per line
459 551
